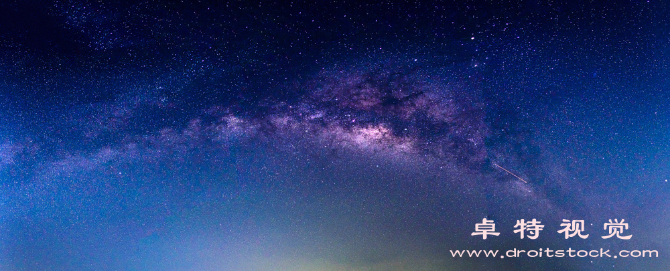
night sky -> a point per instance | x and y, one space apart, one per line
183 135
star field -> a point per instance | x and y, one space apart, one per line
158 135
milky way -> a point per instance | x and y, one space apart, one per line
330 136
226 162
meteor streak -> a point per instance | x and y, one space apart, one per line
510 172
